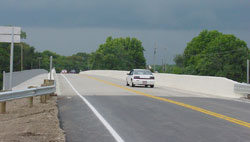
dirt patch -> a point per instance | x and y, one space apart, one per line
23 124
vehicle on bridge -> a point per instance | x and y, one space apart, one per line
64 71
142 77
73 71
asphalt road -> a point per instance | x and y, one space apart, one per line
101 109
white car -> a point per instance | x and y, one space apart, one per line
140 77
64 71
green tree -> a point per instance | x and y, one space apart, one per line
179 60
119 54
4 60
215 54
79 61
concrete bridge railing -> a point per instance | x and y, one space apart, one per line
21 76
214 86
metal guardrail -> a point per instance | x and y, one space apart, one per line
12 95
242 88
48 88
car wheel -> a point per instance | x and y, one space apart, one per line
127 83
146 85
133 85
152 86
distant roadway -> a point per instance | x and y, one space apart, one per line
102 109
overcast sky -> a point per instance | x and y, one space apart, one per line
70 26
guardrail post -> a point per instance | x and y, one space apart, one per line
47 97
3 107
31 102
30 99
43 99
46 82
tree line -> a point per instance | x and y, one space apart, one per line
33 59
213 53
115 53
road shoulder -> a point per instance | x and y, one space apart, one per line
39 123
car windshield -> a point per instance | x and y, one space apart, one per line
142 72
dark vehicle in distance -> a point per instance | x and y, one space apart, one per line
73 71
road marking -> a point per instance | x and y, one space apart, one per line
98 115
227 118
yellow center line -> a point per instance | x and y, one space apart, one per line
227 118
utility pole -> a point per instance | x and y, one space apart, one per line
247 71
39 62
21 57
247 67
165 61
51 58
162 65
154 55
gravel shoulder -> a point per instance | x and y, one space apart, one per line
39 123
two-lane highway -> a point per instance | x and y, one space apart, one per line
101 109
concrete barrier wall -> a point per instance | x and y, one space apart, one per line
21 76
215 86
108 73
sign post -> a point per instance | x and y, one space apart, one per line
11 57
3 88
51 58
10 35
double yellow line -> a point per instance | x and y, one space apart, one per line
230 119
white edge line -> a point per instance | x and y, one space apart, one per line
98 115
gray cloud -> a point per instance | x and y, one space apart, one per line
70 26
69 41
129 14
